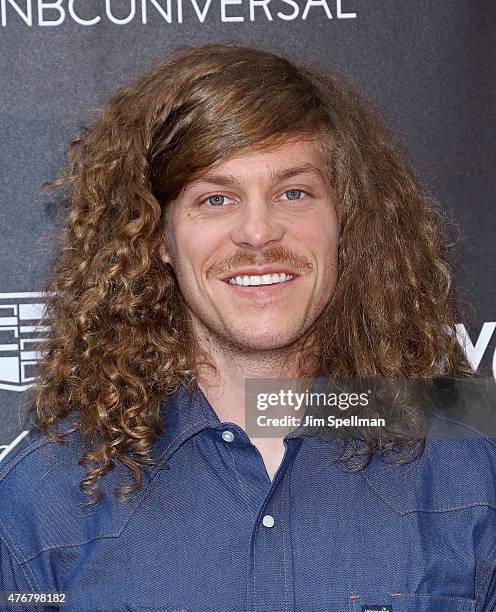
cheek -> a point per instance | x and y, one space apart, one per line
193 258
327 235
320 237
321 240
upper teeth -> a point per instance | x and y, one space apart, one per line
265 279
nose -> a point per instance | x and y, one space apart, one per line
257 225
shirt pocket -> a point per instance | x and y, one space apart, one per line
408 602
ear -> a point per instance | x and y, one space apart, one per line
164 254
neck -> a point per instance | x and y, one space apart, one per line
225 389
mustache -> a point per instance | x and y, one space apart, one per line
272 255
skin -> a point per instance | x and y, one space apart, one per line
214 230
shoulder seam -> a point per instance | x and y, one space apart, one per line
479 433
9 464
15 552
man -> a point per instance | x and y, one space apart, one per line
236 217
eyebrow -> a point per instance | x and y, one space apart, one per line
229 180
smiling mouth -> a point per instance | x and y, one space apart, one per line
254 280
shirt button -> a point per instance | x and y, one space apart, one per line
268 521
227 436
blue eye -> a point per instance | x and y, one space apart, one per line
295 191
214 200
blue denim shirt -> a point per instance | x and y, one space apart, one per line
210 532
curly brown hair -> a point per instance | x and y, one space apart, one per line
119 342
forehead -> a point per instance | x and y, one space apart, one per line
277 162
299 151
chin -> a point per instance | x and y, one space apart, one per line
264 340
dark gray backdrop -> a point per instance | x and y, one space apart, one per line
429 66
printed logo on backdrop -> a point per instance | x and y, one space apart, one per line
475 351
56 12
21 330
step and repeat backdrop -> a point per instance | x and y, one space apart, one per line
429 67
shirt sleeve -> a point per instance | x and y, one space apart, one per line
488 603
486 591
12 579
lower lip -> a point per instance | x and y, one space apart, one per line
261 290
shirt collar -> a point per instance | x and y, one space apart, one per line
185 413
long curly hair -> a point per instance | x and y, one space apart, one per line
119 342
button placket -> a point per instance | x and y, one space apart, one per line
271 546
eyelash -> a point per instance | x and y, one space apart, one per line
223 195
